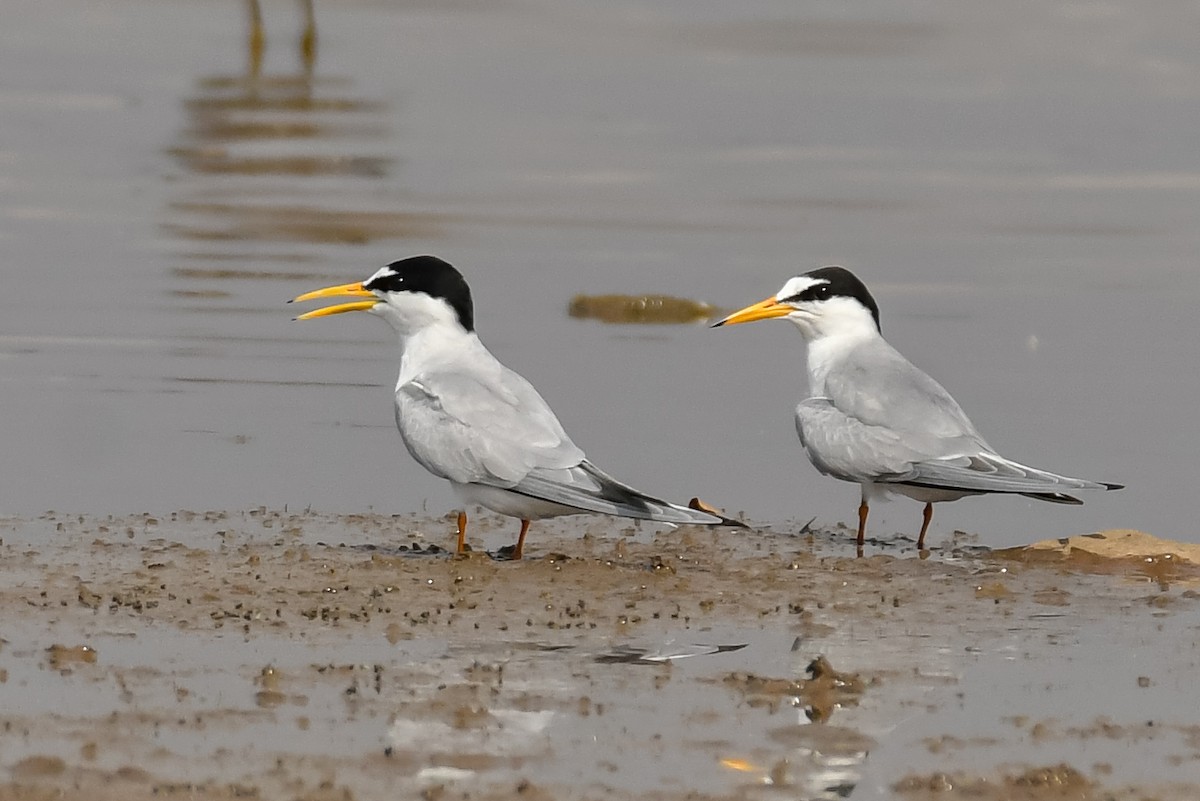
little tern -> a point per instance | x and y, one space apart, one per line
467 418
875 419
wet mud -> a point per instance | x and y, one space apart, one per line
282 655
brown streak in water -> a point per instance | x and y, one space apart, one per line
299 223
306 224
218 161
264 310
302 81
286 258
291 103
225 274
258 129
199 293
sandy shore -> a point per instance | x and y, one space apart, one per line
275 655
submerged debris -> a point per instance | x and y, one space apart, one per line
639 309
270 695
821 693
63 657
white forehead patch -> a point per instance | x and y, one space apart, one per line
796 285
382 272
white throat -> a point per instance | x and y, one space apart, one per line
825 353
435 345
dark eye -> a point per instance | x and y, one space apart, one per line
818 292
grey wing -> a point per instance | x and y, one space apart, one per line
885 420
877 386
844 446
490 428
497 430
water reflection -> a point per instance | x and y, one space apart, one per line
257 43
241 221
817 759
251 145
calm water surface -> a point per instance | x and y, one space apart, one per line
1017 182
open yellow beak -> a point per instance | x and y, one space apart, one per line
759 311
354 290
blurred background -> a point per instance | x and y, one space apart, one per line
1017 182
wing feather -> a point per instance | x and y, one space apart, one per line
848 448
882 420
988 472
845 447
495 429
877 386
489 429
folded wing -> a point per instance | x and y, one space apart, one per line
988 472
844 446
490 429
496 430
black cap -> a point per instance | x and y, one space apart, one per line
431 276
840 282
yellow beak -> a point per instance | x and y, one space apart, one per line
354 290
759 311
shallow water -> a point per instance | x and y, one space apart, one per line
1016 182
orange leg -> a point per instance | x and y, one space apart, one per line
863 510
517 551
928 515
462 532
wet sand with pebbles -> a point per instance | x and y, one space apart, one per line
301 655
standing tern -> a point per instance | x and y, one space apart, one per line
467 418
875 419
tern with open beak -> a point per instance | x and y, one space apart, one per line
467 418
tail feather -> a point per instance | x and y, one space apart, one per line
588 488
1054 497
